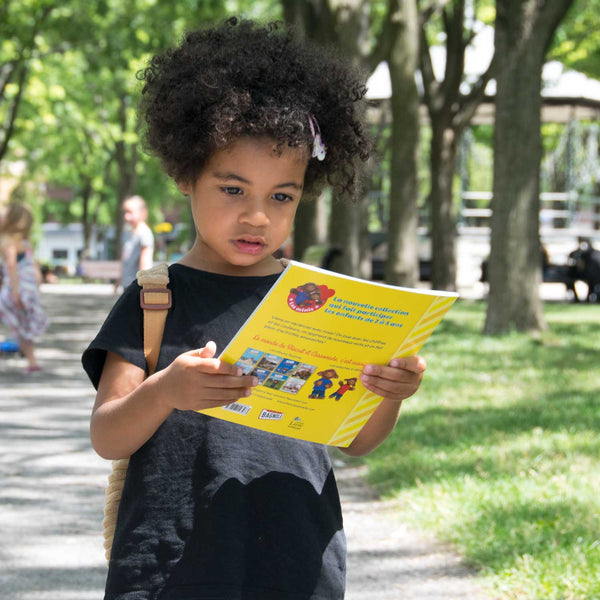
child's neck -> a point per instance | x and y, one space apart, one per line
268 266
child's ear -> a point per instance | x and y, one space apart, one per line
184 188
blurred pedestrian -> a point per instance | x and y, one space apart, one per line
20 305
138 244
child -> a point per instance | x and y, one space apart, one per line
20 306
138 247
245 119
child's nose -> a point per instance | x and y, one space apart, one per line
255 214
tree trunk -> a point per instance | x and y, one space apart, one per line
349 221
450 111
443 218
316 21
514 265
310 225
349 234
86 219
402 265
347 26
524 30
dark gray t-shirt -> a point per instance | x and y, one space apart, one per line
210 509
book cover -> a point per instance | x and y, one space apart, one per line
308 341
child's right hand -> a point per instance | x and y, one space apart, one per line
196 380
129 407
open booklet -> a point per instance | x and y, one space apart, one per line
307 343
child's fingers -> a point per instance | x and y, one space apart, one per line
398 380
223 396
223 389
211 364
399 369
416 364
218 382
389 387
208 351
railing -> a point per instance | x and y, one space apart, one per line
559 210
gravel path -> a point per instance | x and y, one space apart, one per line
387 560
52 485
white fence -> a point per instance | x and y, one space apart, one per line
559 211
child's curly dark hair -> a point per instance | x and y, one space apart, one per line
240 78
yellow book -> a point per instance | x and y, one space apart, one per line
309 339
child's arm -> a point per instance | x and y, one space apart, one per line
129 408
146 257
395 382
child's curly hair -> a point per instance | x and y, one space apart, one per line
240 78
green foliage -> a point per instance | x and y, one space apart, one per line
577 41
498 453
77 126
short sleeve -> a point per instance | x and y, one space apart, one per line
146 238
120 333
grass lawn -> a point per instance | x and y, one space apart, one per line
499 452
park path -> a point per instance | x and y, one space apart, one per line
52 485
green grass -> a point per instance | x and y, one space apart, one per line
499 452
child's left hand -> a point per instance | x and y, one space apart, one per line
396 381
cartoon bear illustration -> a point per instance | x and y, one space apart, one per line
321 385
307 295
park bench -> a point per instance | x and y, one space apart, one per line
105 270
551 273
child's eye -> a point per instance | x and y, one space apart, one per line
281 197
231 190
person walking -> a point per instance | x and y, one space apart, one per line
138 245
20 305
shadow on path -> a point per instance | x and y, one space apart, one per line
51 482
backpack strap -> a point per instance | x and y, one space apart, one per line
155 300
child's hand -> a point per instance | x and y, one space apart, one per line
396 381
196 380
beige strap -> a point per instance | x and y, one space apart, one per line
155 299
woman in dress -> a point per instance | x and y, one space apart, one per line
20 306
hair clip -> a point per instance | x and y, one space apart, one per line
319 150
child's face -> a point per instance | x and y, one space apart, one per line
244 202
134 212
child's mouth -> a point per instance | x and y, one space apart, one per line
249 245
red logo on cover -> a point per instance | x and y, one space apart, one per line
309 297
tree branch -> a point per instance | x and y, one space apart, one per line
8 129
432 8
430 83
385 39
453 19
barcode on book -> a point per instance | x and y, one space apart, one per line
236 407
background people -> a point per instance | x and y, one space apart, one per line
138 244
20 305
